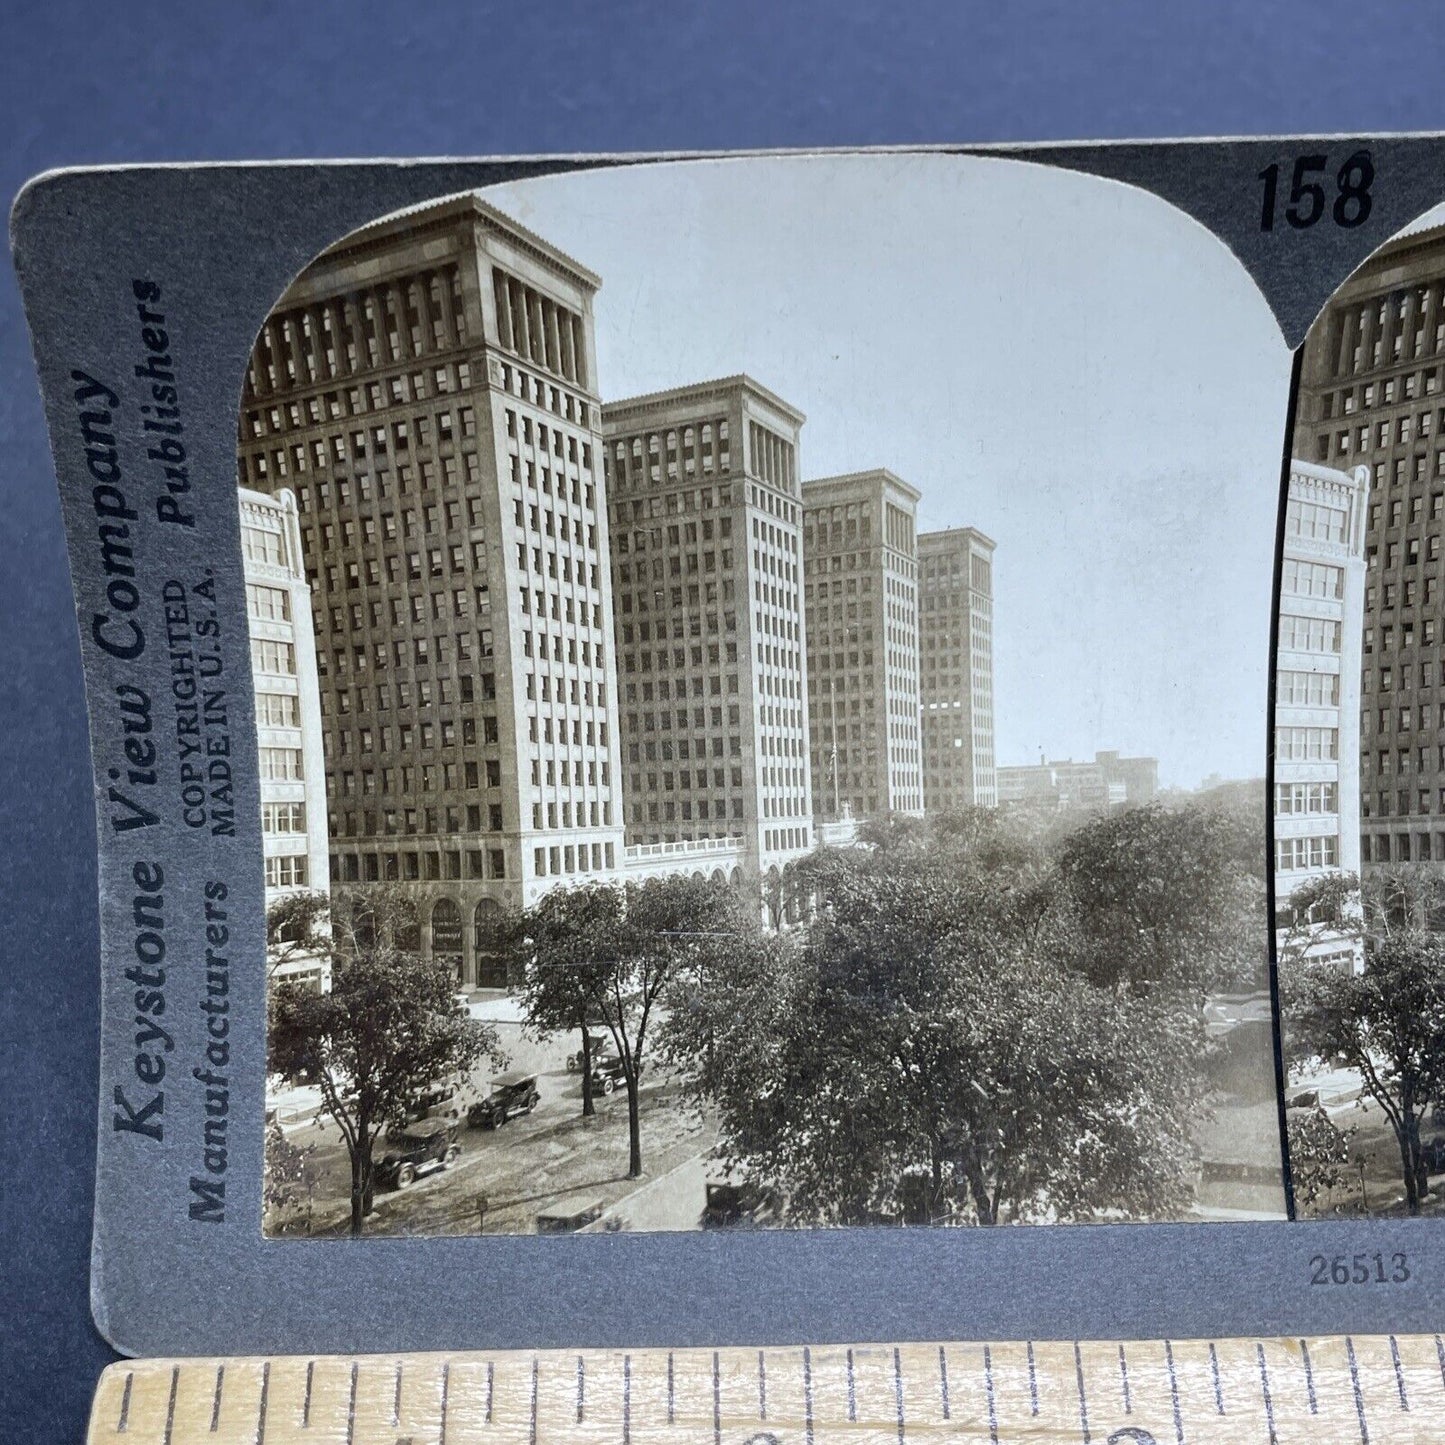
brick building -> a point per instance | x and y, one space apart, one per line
427 388
706 527
1372 394
860 566
955 614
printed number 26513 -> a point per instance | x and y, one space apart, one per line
1359 1269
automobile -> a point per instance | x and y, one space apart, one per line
731 1202
511 1094
419 1149
608 1074
436 1101
595 1045
568 1218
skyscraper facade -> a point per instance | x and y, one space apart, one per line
288 718
427 387
860 564
1372 394
955 613
1317 688
707 573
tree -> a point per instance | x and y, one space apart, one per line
1319 1155
924 1049
1170 897
288 1170
1387 1024
566 943
388 1027
298 926
631 943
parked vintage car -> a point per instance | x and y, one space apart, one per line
595 1044
419 1149
511 1094
607 1074
438 1100
731 1202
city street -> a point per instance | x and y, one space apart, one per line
552 1161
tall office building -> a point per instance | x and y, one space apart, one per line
428 389
288 718
955 616
860 567
706 526
1317 688
1372 394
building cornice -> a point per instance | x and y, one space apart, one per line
618 413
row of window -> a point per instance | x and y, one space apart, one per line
384 324
1293 855
399 390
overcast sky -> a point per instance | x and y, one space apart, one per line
1067 364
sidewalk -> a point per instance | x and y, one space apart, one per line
672 1201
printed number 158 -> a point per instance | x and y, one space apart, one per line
1307 199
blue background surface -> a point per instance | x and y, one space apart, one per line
145 82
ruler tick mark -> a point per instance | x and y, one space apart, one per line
265 1397
808 1393
581 1387
171 1403
1124 1382
396 1397
1440 1356
626 1399
446 1400
1399 1373
1033 1384
351 1405
762 1387
852 1388
1264 1391
532 1410
716 1399
1310 1376
1174 1392
1359 1392
216 1399
898 1390
306 1401
943 1377
491 1390
671 1391
1083 1403
988 1391
1218 1386
124 1421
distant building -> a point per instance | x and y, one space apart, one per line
1372 394
860 568
288 716
1110 781
427 386
1317 688
707 578
955 611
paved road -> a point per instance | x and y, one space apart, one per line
551 1161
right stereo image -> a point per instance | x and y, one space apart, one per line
1359 745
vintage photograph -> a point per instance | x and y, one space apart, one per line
1359 796
762 672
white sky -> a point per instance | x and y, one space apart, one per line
1068 364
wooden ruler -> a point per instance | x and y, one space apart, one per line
1371 1390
